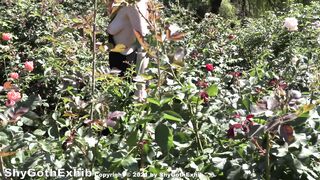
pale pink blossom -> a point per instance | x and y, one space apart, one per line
10 103
14 75
13 96
291 23
6 37
28 65
174 28
113 117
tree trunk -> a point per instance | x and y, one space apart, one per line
215 5
243 9
306 2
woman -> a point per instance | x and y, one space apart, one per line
124 20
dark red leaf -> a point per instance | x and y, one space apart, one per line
286 132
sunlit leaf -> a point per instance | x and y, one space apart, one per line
172 116
119 48
213 90
177 36
5 154
128 161
305 108
154 101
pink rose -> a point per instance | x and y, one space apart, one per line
10 103
14 75
28 65
13 96
6 36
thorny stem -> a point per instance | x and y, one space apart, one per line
311 97
1 169
140 140
159 76
195 124
93 83
154 27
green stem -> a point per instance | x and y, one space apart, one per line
93 84
268 166
195 124
175 76
159 74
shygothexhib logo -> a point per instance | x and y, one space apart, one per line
47 173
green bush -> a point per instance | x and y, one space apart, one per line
227 10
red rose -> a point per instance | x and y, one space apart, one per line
204 96
273 82
232 37
236 74
250 116
231 133
209 67
202 84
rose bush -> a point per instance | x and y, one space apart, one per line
226 98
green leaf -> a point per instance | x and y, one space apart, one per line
154 101
128 161
171 115
4 139
14 129
45 146
165 100
133 138
27 121
32 115
246 102
213 90
39 132
164 138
